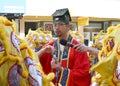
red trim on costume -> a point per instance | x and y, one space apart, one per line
30 74
9 73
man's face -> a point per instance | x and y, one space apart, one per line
60 28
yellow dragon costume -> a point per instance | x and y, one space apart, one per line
38 38
109 58
17 64
96 77
78 36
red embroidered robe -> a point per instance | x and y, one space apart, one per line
76 67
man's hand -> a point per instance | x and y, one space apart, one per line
46 49
49 49
84 48
55 64
81 48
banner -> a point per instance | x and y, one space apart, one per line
83 21
12 6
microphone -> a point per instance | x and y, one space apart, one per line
66 43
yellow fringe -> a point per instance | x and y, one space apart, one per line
24 44
5 21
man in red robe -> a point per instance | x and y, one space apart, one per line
70 66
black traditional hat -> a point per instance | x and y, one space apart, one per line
62 15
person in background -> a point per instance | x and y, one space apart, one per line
70 66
